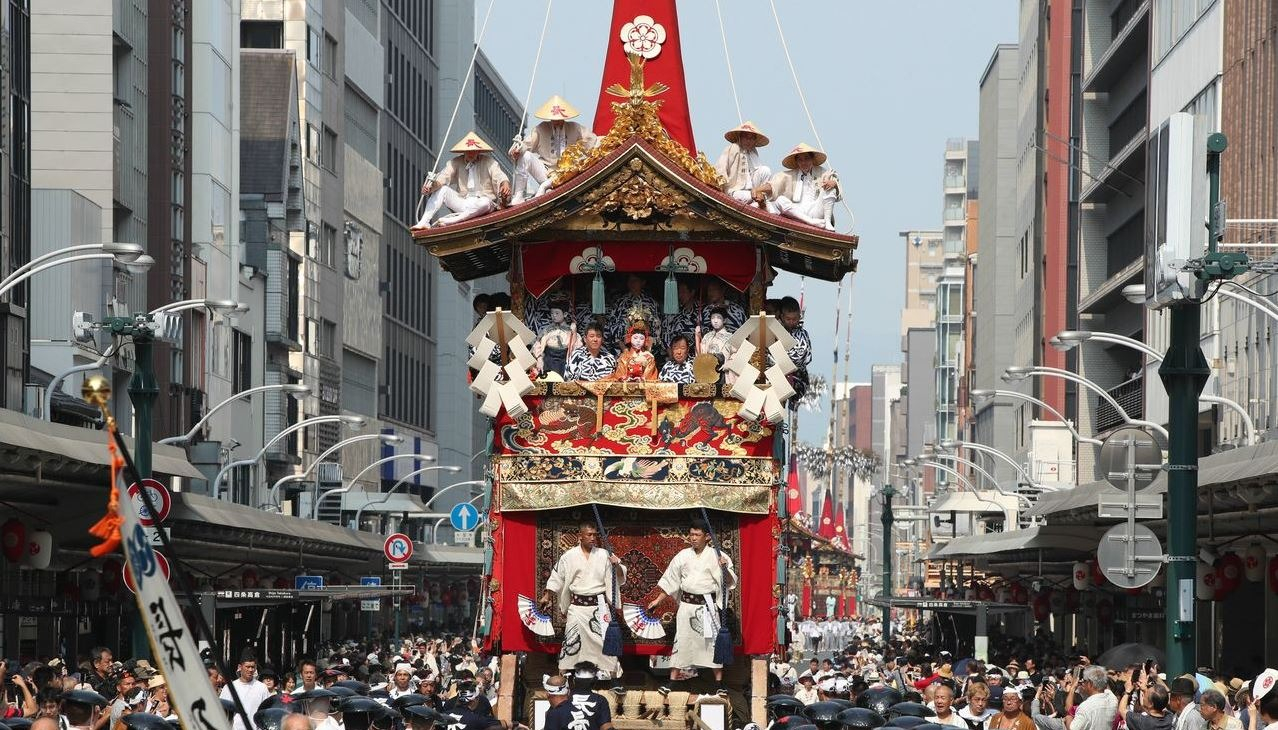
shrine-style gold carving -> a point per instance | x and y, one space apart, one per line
637 194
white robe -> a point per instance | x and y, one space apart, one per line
699 575
585 575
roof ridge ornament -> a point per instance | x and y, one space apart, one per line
635 117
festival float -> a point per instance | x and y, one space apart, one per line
638 210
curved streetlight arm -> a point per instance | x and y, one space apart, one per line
1047 407
274 499
217 482
315 503
215 489
359 513
16 278
56 382
1020 498
1268 308
203 421
982 448
1101 393
989 478
18 273
1252 436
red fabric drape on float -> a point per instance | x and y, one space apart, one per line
840 606
651 28
546 263
826 527
805 601
793 491
515 574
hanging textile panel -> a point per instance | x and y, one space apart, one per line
544 263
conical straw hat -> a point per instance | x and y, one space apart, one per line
800 148
556 107
732 134
471 143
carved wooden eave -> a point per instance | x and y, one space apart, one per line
636 193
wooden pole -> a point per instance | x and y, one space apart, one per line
759 691
506 692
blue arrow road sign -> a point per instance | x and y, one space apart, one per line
308 582
464 517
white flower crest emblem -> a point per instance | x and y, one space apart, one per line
643 36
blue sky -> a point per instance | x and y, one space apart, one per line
887 84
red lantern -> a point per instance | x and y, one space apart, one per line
1041 606
13 539
111 576
1105 611
1207 582
1019 594
1081 574
248 578
1231 568
1098 575
39 550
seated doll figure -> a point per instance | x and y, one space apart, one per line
636 363
715 342
555 340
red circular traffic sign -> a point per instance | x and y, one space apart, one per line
160 497
160 560
398 548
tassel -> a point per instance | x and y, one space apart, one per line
597 294
722 645
671 303
612 638
107 529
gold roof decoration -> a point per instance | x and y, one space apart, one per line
635 117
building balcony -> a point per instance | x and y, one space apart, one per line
955 184
955 214
1130 395
1124 53
1109 294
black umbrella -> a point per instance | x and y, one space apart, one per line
1133 653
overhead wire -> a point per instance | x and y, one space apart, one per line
732 80
541 43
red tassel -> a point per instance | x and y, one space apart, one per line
107 529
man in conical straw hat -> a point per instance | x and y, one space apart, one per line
739 163
469 185
541 150
805 190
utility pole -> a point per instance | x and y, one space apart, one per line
888 493
1184 372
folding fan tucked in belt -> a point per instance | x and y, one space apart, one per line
612 634
534 618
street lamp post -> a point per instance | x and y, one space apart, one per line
888 493
352 421
359 513
991 393
386 438
1020 372
982 448
297 390
1067 339
315 502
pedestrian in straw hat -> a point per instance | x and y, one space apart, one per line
469 185
739 163
805 190
543 147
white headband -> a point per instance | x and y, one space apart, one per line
552 689
584 674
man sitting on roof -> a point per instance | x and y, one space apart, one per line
469 185
541 151
805 190
739 163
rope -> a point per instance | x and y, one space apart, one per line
461 93
732 81
541 43
803 99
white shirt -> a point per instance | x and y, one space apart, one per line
1190 718
252 694
953 720
696 573
583 574
1096 712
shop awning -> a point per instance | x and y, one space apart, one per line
977 502
1225 468
1042 537
60 441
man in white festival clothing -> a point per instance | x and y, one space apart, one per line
805 190
695 578
739 163
470 185
540 151
582 584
